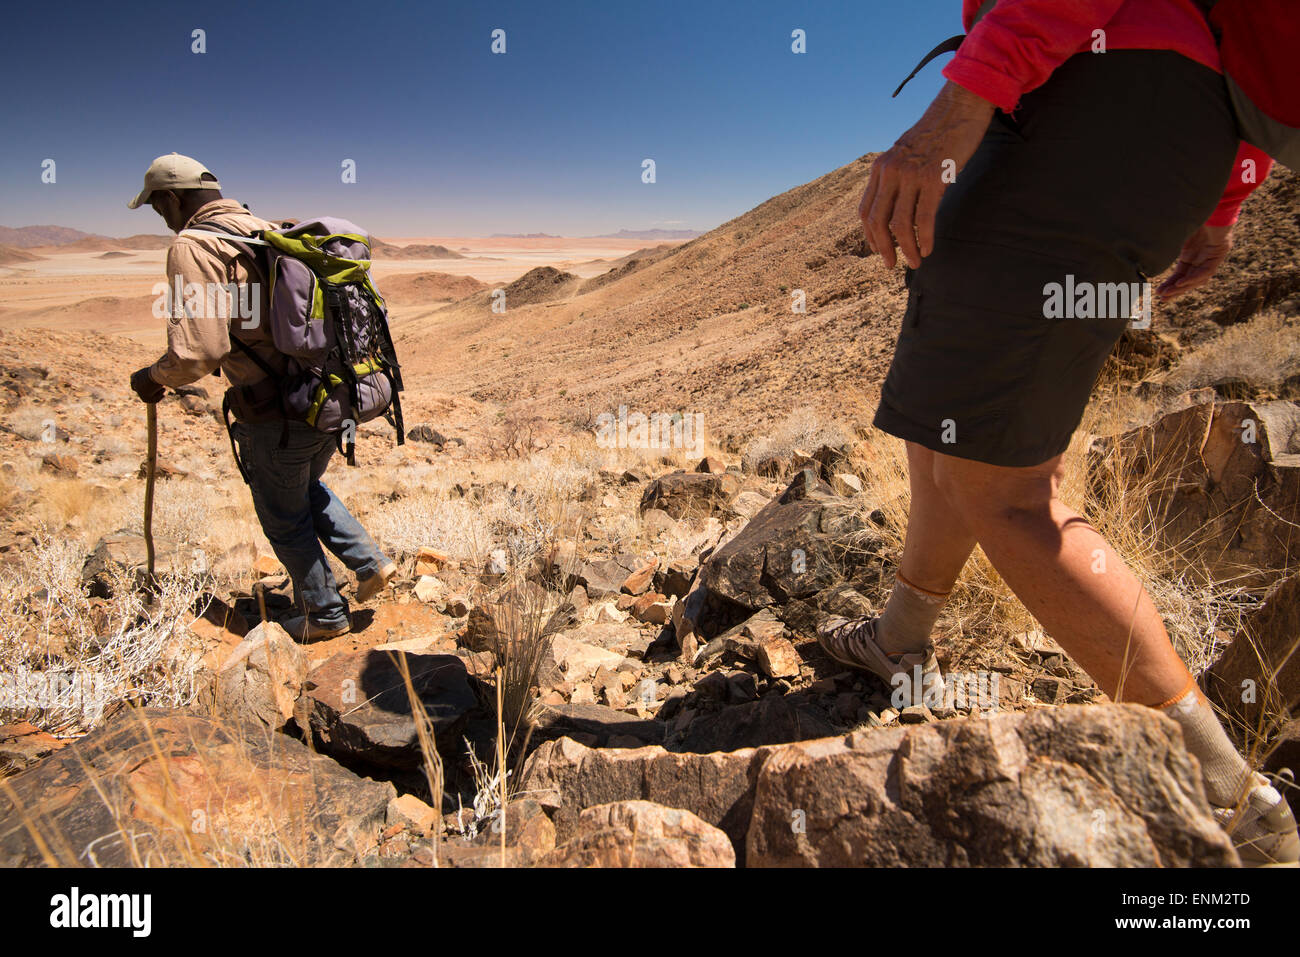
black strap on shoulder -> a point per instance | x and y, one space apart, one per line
258 361
949 45
273 376
254 258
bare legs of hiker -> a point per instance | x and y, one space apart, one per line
1081 592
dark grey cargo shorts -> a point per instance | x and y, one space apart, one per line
1096 180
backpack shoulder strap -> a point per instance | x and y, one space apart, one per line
245 244
949 45
258 361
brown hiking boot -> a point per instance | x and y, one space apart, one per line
914 678
368 588
302 629
1262 828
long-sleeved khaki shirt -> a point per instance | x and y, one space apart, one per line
205 308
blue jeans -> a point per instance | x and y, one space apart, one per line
299 513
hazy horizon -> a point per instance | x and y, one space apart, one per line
163 231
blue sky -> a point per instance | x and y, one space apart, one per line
449 139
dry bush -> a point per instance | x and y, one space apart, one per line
32 421
456 525
802 430
182 512
1263 352
518 434
132 647
521 503
63 500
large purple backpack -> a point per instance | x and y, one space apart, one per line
327 318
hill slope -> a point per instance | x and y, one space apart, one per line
708 326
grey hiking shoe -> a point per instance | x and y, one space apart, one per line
1262 828
914 678
368 588
302 628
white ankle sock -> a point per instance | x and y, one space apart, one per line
906 624
1226 774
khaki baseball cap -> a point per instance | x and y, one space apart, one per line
173 171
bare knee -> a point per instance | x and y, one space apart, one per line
996 495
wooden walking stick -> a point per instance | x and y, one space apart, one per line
151 468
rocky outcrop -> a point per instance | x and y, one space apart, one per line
641 834
1224 479
158 788
1092 785
1257 680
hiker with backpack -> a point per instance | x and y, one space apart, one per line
1091 143
307 363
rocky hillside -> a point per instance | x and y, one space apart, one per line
607 657
708 326
634 642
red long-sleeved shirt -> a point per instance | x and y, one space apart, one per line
1018 43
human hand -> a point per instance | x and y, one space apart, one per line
145 387
1204 250
907 181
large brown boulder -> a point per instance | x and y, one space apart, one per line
159 788
1257 680
798 544
1090 786
690 494
718 787
641 834
1075 785
357 706
261 679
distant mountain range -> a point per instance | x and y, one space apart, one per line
621 234
28 237
649 234
24 237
